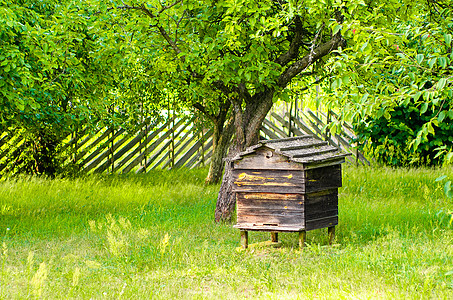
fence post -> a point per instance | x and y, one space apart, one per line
290 117
112 156
202 145
327 125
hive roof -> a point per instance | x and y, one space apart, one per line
306 149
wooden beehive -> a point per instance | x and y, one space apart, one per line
287 185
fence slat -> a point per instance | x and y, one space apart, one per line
189 153
106 148
149 149
91 146
123 151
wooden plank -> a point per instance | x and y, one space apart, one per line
311 214
286 210
169 143
350 149
196 160
282 189
321 223
12 153
272 219
116 154
269 133
4 139
140 146
250 177
266 158
256 227
160 151
270 197
157 154
274 128
180 141
345 123
301 124
139 135
150 148
326 163
73 140
95 143
107 151
319 179
188 154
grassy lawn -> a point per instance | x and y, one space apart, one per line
153 236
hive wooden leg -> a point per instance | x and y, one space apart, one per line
331 232
274 237
302 237
244 239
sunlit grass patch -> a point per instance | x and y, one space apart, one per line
153 236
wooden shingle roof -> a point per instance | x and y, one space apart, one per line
306 149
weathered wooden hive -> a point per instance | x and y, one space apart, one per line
287 185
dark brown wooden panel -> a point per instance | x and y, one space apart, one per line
271 219
251 227
322 178
281 211
313 215
321 223
270 196
265 158
270 201
271 204
321 204
273 181
282 189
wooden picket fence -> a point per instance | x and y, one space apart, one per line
174 143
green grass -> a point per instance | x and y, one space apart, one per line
153 236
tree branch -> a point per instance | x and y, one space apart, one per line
293 50
203 110
314 55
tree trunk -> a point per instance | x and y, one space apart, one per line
248 127
221 142
44 154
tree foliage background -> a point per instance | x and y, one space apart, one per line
92 63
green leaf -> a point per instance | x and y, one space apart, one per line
441 83
337 28
417 96
450 114
431 128
447 38
441 116
431 62
442 62
419 58
424 108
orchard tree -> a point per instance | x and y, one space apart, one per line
50 82
245 53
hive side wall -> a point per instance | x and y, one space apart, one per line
270 209
321 179
321 209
